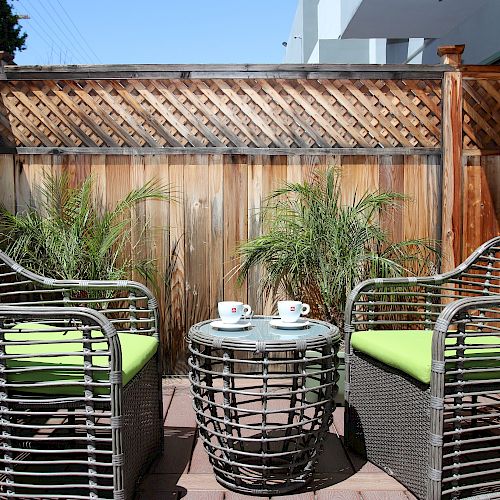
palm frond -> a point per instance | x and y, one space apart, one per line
317 248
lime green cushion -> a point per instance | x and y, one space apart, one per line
136 350
411 350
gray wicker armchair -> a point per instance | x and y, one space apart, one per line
80 386
423 377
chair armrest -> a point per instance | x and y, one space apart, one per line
393 302
139 300
467 318
26 355
465 383
429 294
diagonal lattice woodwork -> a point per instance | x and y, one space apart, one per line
261 113
481 123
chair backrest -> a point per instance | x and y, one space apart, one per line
415 303
128 305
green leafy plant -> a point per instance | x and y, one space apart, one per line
69 235
315 248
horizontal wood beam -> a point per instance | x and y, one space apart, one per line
223 150
247 71
481 152
471 71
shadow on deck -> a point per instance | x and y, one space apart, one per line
185 472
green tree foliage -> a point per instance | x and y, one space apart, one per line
11 38
317 249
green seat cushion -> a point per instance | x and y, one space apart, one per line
411 351
136 350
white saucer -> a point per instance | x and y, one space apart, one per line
297 325
220 325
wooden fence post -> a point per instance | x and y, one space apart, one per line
452 196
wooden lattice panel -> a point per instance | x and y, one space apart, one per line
258 113
481 125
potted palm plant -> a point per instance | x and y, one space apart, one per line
70 235
315 248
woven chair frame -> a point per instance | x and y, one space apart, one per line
449 431
77 436
263 408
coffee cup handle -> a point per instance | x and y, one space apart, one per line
305 309
247 311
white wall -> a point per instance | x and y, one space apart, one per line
293 53
310 27
344 51
329 25
377 50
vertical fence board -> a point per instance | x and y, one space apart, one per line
295 169
216 231
481 220
176 330
255 199
7 182
452 170
414 212
235 221
78 168
215 209
392 179
472 208
29 175
157 215
98 172
360 175
197 236
138 230
21 181
118 184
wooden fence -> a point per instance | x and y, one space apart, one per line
224 137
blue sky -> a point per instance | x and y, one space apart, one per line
154 31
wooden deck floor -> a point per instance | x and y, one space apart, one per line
185 472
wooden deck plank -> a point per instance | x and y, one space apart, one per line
411 496
298 496
167 392
365 481
160 495
334 458
203 495
337 495
185 482
361 464
338 420
199 460
185 471
181 413
383 495
179 442
200 482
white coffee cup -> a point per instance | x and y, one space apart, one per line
231 312
290 310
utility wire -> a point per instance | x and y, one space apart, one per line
78 31
42 32
69 36
56 40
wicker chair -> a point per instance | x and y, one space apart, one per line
441 438
80 386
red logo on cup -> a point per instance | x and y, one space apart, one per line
292 308
233 309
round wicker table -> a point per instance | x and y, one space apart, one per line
264 399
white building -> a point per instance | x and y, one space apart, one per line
393 31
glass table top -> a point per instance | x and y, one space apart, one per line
261 328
